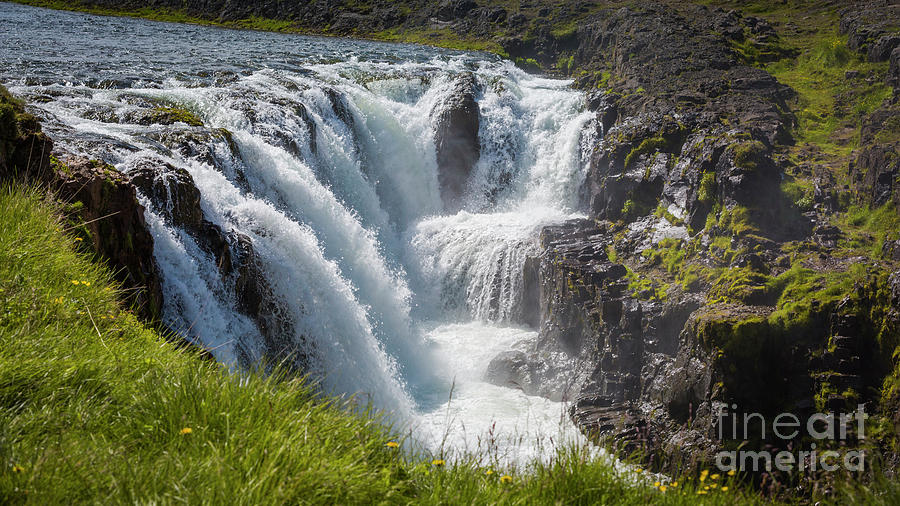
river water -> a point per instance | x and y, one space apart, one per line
320 151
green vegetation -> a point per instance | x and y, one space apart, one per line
95 407
165 115
708 187
747 153
647 146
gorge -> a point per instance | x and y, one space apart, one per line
671 223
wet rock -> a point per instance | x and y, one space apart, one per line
456 123
114 220
171 189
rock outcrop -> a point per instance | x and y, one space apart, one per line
456 121
104 204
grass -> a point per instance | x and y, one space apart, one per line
95 407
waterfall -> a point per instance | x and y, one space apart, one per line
319 178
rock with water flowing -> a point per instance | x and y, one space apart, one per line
456 141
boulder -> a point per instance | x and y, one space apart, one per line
456 122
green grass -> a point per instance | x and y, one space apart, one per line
94 408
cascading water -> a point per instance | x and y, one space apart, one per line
319 154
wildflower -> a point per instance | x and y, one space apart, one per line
437 462
731 473
506 478
702 492
674 484
489 472
713 485
715 476
86 283
663 488
706 487
657 484
724 489
75 282
392 444
639 470
186 430
78 239
18 469
703 475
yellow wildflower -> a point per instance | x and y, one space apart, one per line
656 484
18 469
674 484
392 444
506 478
489 472
724 489
75 281
663 488
437 462
86 283
702 492
731 473
713 485
639 470
78 239
703 475
187 430
715 476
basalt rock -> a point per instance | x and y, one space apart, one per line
871 28
114 221
175 196
457 146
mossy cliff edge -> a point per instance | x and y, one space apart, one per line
742 241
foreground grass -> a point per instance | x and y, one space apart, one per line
95 407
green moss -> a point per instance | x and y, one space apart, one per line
528 64
747 153
867 229
166 115
646 146
602 79
799 192
741 285
735 220
707 191
663 212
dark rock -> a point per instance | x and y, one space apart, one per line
882 48
115 223
875 175
171 189
456 123
893 75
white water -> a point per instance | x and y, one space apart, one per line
396 302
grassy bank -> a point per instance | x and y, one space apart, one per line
95 407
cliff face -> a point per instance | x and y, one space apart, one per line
705 279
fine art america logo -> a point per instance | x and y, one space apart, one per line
820 427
